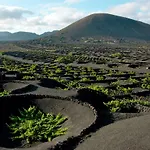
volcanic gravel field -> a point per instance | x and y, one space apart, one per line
76 82
125 131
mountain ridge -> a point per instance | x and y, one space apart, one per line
22 36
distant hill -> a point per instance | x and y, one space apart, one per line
18 36
22 36
107 25
49 33
5 34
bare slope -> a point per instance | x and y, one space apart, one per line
107 25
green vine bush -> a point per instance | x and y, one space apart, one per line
99 89
33 125
146 83
125 105
4 93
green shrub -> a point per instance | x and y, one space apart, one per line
145 86
4 93
58 70
125 104
73 84
127 90
64 59
28 77
121 90
131 80
33 125
84 79
146 83
99 78
58 79
116 55
99 89
115 84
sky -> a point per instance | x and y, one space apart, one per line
39 16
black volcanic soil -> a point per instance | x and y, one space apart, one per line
130 134
19 88
74 111
34 87
10 86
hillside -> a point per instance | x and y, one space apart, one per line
107 25
49 33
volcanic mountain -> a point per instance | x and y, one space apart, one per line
107 25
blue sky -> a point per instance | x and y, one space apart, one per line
47 15
87 5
